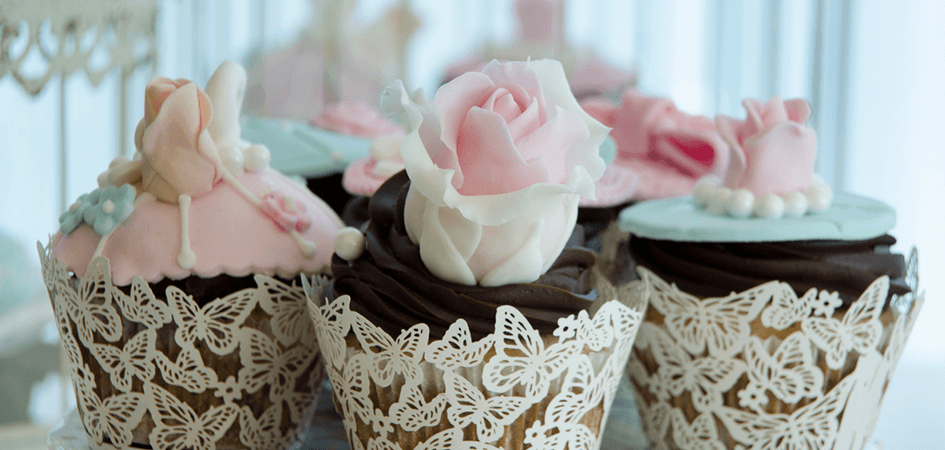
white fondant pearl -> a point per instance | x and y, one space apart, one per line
741 203
769 206
232 158
818 197
719 201
349 243
816 179
108 207
102 179
703 191
256 158
795 204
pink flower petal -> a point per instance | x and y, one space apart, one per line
490 161
551 143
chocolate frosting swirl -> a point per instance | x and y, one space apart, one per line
391 287
716 269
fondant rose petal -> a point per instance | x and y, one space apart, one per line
490 161
454 99
798 110
523 266
564 130
438 252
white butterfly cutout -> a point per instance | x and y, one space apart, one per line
265 432
716 323
389 357
55 272
787 309
413 412
188 371
468 406
701 434
570 437
265 364
287 306
217 323
536 367
178 427
811 427
790 373
330 328
596 333
705 378
859 330
90 307
581 392
141 306
114 417
457 349
352 387
132 360
69 343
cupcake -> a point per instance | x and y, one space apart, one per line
175 283
777 310
460 316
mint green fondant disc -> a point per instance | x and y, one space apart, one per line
298 148
681 219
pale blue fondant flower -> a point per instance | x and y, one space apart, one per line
72 218
113 207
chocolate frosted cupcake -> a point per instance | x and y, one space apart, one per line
175 283
778 312
461 296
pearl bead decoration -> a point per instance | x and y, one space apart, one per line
742 203
349 243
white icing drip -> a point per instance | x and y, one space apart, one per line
249 196
186 258
100 248
307 247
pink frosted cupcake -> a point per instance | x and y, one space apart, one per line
175 283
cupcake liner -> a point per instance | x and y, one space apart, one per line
241 371
512 389
764 369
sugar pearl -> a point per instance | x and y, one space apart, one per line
741 203
818 197
349 243
703 191
769 206
256 158
719 200
795 204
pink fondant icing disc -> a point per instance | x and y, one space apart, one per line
227 234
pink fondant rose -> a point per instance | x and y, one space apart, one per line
666 149
178 154
772 150
497 164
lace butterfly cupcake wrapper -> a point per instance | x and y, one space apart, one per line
764 368
511 389
241 371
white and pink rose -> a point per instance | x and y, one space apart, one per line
498 162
